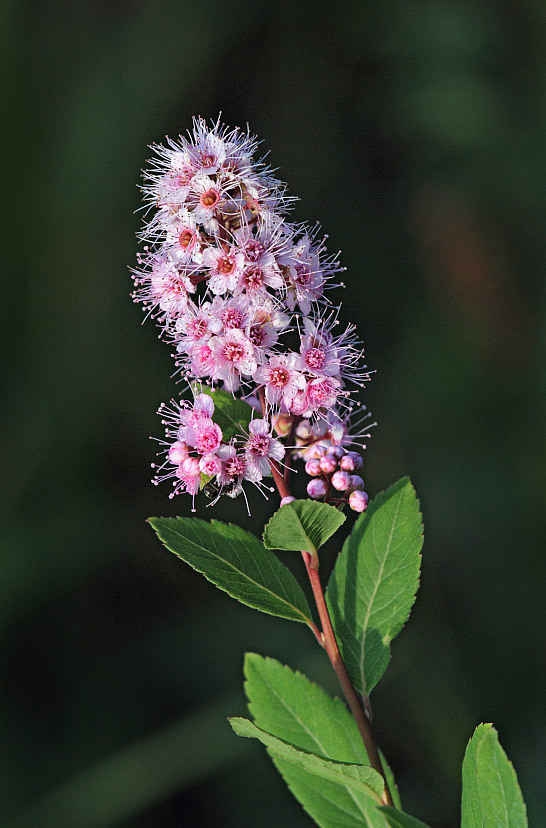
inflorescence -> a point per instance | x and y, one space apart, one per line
239 292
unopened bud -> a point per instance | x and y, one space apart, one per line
356 482
336 451
178 452
358 501
341 481
286 500
328 464
316 488
316 451
312 467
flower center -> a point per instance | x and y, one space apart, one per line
253 277
253 250
235 466
210 198
233 352
232 318
184 239
208 160
225 265
197 328
315 358
279 377
303 277
259 444
320 392
257 335
207 442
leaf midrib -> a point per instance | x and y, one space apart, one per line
241 572
376 587
318 744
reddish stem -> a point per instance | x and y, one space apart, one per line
327 637
331 646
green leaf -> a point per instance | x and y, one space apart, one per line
236 562
302 525
398 819
232 415
287 705
374 582
361 779
491 794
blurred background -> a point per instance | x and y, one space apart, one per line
415 132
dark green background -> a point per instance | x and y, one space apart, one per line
415 133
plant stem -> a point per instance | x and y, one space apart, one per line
353 700
328 639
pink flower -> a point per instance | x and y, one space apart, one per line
233 469
203 363
205 198
205 437
225 268
260 447
234 356
322 393
202 409
281 379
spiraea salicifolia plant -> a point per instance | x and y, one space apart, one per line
245 298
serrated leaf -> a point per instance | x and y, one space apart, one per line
361 779
302 525
374 582
287 705
236 562
491 794
398 819
231 414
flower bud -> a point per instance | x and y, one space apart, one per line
341 481
316 451
316 488
347 463
356 458
336 451
210 464
303 430
358 501
328 464
178 452
288 499
356 482
312 467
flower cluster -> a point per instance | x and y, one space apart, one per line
196 450
332 469
239 291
